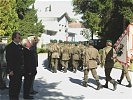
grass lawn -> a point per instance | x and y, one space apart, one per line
118 65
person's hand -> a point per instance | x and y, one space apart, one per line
29 73
11 73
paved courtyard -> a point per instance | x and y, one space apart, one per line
67 86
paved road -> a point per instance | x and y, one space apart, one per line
67 86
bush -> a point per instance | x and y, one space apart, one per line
42 50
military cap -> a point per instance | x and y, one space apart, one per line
109 41
91 42
55 41
60 41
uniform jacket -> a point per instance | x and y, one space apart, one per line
55 50
76 53
65 53
108 62
89 57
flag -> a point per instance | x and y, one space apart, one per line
124 46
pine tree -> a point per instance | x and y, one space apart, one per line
28 21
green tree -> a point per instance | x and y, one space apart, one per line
8 17
28 21
109 17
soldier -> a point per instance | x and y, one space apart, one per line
55 56
81 47
75 57
61 46
124 68
65 56
90 64
108 60
126 74
49 53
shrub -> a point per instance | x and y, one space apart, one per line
42 50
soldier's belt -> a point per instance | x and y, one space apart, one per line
92 59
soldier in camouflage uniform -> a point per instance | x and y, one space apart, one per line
65 56
55 56
49 53
81 47
108 54
90 64
70 66
61 45
75 57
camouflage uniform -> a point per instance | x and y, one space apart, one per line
65 56
126 74
75 57
81 47
90 64
54 57
108 54
49 54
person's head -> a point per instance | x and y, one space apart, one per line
91 42
33 40
16 37
26 43
109 43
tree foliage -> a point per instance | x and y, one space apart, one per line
28 21
109 17
8 17
19 15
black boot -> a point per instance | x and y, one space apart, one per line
129 84
65 70
114 84
74 70
119 81
106 85
84 83
99 86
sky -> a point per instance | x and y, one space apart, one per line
58 8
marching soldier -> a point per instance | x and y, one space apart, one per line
90 64
55 56
49 53
108 60
75 58
124 69
81 47
65 56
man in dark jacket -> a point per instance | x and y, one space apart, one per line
15 64
29 71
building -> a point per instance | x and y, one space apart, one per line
58 23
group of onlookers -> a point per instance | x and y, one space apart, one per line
21 61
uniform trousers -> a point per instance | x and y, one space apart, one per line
94 73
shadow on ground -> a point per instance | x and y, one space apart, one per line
46 91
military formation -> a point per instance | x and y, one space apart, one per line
65 56
85 57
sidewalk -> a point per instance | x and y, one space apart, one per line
67 86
